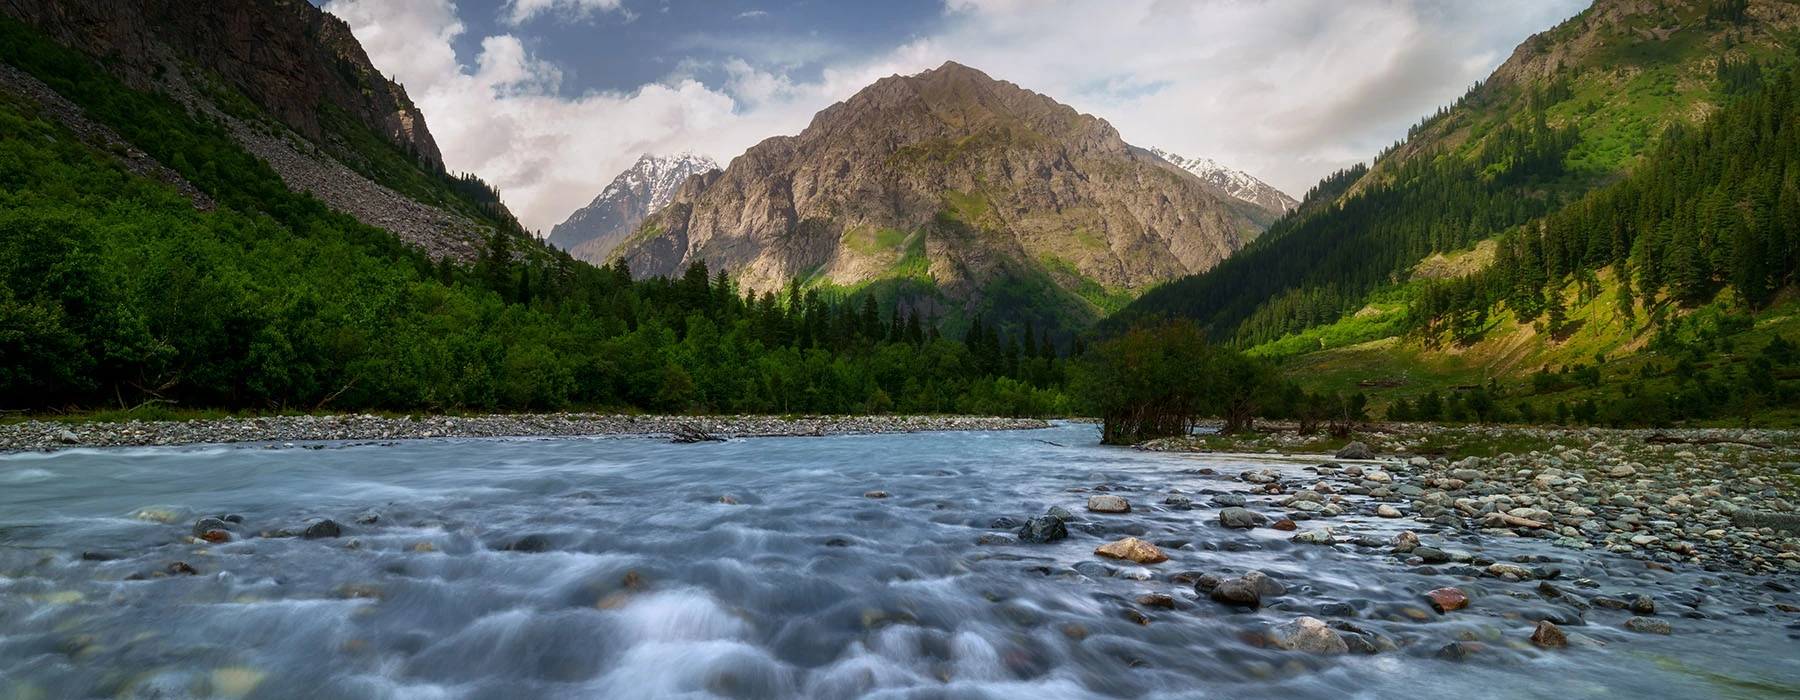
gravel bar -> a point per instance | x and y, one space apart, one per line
43 436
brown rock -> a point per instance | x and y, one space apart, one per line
1285 525
1157 600
1548 636
876 494
216 536
1133 549
1447 599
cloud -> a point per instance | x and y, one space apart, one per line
1288 91
752 14
518 12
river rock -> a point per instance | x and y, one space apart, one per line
1308 634
1240 518
1230 499
68 437
875 494
323 529
1386 511
1265 587
1549 636
1447 599
1648 625
1042 529
1405 542
1355 450
1157 600
1321 536
1108 504
1502 570
531 543
1643 605
204 525
1236 591
1133 549
1285 525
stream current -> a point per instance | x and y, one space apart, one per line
633 568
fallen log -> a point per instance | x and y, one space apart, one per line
1660 439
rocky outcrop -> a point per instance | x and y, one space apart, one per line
948 175
287 56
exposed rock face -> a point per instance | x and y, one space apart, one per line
952 176
593 231
287 56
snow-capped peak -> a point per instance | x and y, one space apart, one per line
1236 183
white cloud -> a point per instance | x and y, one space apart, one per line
752 14
1288 91
518 12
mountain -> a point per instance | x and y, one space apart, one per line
294 87
593 231
971 195
1236 183
1572 111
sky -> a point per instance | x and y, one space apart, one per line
548 100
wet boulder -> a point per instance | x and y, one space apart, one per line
1240 518
1133 549
1321 536
324 529
1308 634
1235 591
1447 599
1549 636
1042 529
1265 587
1356 450
1107 503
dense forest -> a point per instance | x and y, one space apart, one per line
116 292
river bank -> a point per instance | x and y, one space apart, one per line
1717 499
45 435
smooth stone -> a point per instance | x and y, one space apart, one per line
1265 587
1643 605
1236 591
1157 600
1447 599
323 529
1108 504
203 525
1240 518
1322 536
1308 634
1285 525
1648 625
1355 450
1386 511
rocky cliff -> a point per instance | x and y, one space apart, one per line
287 56
952 178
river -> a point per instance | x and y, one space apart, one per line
634 568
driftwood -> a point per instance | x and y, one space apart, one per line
1052 444
1514 521
1660 439
688 433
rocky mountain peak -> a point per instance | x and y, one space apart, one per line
1237 183
953 179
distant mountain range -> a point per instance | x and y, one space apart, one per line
981 195
593 231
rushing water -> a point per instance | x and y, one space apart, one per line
642 583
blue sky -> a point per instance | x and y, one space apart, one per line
550 99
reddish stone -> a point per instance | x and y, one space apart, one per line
1445 600
1285 524
216 536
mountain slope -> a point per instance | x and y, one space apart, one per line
1572 109
993 195
293 87
593 231
1236 183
